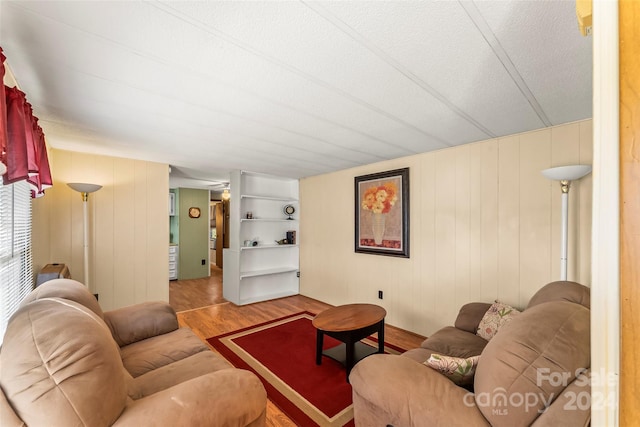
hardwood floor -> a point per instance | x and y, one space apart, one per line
202 308
196 293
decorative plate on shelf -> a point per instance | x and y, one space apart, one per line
289 210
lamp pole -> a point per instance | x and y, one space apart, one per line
565 174
84 190
564 239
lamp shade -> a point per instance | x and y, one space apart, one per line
567 173
83 187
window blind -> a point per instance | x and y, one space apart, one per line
16 266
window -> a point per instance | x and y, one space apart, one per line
16 267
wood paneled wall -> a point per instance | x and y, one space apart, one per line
484 224
129 226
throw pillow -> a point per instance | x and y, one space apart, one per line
497 315
457 369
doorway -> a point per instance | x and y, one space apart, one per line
218 230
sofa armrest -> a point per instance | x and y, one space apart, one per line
141 321
396 390
470 315
229 397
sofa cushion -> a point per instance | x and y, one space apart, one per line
60 366
152 353
177 372
562 290
458 369
531 361
454 342
470 315
419 354
496 316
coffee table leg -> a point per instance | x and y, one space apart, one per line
381 337
319 343
350 347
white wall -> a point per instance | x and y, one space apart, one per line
129 226
484 224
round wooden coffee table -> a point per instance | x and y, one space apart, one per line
349 323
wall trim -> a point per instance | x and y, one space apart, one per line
605 286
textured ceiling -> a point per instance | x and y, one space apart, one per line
293 88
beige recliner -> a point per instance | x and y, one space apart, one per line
64 362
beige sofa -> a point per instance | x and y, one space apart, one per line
64 362
534 371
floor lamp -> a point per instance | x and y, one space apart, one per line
85 189
565 174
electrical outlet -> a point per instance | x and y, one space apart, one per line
204 262
379 294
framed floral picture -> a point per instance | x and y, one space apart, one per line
382 213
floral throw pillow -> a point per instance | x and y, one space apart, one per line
497 315
457 369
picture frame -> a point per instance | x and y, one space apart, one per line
382 213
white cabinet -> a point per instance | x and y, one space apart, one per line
256 266
173 262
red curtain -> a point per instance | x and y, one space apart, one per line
3 113
44 175
25 152
17 163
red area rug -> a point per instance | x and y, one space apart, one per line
282 353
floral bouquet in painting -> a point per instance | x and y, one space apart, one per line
379 199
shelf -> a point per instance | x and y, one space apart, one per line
274 198
268 219
266 272
265 297
251 248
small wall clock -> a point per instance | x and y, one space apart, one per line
194 212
